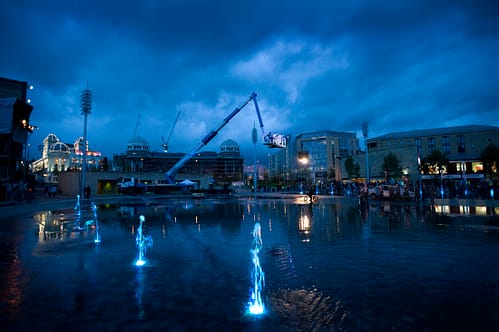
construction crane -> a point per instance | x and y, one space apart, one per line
136 126
271 140
167 141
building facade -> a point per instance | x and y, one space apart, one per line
15 128
462 145
58 157
321 154
226 166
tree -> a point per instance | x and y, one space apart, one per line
391 167
435 163
490 159
352 168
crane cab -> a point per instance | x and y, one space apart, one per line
275 140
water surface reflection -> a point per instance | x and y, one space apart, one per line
335 265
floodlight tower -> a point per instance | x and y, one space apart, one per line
365 133
86 106
254 138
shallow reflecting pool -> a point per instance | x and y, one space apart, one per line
331 266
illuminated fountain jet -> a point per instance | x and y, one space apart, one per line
142 242
96 223
77 208
255 304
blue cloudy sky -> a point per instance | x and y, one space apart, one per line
399 65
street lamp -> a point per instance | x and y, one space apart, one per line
365 133
303 159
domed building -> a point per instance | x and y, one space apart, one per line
137 146
224 166
137 155
58 156
229 148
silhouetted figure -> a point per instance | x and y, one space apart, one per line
310 194
87 191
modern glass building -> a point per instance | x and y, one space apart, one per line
320 154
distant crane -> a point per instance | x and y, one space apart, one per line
136 126
167 141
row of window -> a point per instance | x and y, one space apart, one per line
461 146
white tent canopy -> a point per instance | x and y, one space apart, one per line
187 182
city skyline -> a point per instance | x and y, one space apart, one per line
314 66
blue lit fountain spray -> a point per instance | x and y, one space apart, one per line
77 208
255 304
142 242
96 223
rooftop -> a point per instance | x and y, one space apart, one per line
436 132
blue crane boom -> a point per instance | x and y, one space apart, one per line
271 140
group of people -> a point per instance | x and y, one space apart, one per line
51 191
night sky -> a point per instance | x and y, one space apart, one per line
315 65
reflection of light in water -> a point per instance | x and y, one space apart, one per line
481 210
139 292
255 304
304 225
466 210
442 208
50 226
297 306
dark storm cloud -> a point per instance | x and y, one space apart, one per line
315 65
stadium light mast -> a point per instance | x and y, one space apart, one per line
254 139
86 106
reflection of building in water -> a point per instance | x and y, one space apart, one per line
60 157
49 225
126 211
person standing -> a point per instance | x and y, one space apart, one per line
53 191
87 191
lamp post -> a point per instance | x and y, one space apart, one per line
420 179
303 159
365 133
86 106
